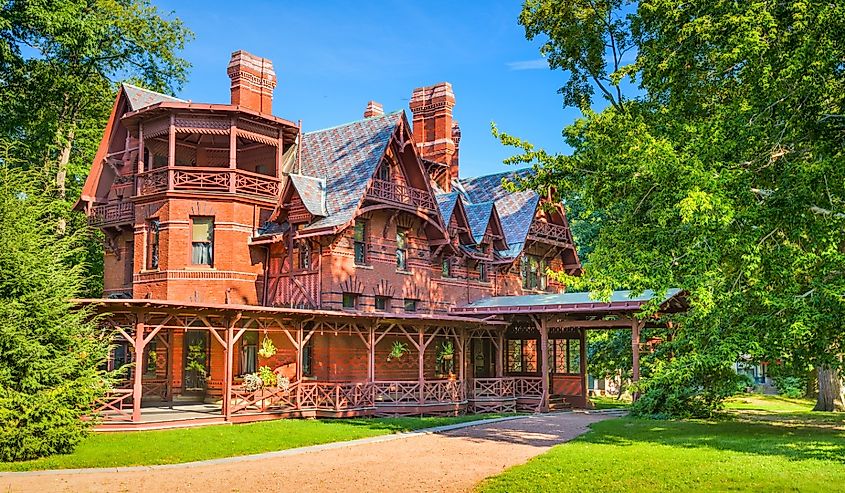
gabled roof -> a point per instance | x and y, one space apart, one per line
446 202
312 191
479 217
516 209
346 157
139 97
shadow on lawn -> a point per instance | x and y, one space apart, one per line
787 439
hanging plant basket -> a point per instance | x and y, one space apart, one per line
268 349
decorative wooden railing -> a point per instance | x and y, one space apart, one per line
388 191
528 386
154 388
264 399
493 388
116 405
397 392
548 231
416 393
111 214
213 179
304 396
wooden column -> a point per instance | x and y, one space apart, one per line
227 383
279 153
462 356
635 351
233 153
583 369
171 151
500 355
544 363
371 357
138 180
138 373
421 379
168 373
299 345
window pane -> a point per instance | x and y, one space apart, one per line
514 362
381 302
360 254
529 355
560 356
574 356
201 253
154 227
401 260
360 230
202 229
349 300
410 305
401 238
446 268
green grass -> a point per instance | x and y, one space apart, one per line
610 402
212 442
761 443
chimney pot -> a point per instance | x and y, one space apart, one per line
253 80
373 109
434 129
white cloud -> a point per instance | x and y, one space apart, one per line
538 64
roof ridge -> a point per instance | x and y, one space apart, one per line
507 172
386 115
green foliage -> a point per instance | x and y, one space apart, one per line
397 350
49 352
268 349
723 173
268 378
791 387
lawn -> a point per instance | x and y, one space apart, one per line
762 443
212 442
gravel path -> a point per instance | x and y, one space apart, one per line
448 461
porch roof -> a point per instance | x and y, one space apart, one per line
139 305
581 302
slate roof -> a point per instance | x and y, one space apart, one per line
566 299
346 157
312 191
516 209
479 217
141 98
446 202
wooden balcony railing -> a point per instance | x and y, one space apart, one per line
493 388
217 180
528 386
116 405
111 214
396 193
547 231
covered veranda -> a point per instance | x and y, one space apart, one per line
546 327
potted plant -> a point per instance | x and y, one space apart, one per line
398 350
268 349
445 357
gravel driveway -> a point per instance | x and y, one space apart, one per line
447 461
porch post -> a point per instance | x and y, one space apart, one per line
371 357
635 351
171 151
421 379
279 148
462 356
137 388
299 353
544 364
227 383
233 153
140 158
500 355
583 353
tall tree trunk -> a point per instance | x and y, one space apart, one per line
831 395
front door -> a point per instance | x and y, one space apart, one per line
483 360
196 362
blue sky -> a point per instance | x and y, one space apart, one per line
333 57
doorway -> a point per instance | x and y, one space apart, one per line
195 369
483 358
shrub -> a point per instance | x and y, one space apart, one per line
791 387
744 383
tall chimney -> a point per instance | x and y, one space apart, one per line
253 81
456 138
432 110
373 109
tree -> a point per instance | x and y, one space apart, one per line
721 172
59 61
49 351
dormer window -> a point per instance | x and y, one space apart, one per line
384 172
446 267
533 272
482 272
360 242
401 249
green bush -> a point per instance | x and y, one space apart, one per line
691 387
744 382
792 387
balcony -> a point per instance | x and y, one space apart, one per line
208 180
111 215
396 193
549 233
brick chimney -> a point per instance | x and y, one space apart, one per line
253 81
373 109
433 132
456 138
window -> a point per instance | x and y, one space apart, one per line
401 249
151 362
382 303
533 271
249 352
482 272
522 355
302 255
307 358
202 241
153 228
446 267
350 300
410 305
384 172
565 356
360 239
119 355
